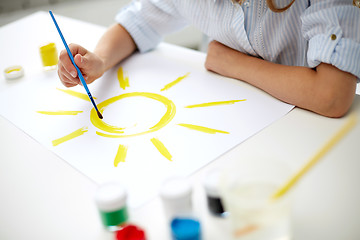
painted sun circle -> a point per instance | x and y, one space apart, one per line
118 132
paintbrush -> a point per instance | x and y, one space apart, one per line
351 122
77 69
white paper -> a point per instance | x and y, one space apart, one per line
145 166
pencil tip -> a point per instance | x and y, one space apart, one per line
99 115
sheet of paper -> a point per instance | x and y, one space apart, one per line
160 119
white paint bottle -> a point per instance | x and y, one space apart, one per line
176 194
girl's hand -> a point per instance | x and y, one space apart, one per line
90 65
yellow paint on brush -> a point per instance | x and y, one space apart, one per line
60 112
76 94
167 86
202 129
121 155
161 148
214 103
123 81
100 124
70 136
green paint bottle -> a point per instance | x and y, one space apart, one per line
111 201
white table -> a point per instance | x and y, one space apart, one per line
43 197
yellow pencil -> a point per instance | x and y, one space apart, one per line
331 143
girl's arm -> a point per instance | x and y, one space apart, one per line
115 45
325 90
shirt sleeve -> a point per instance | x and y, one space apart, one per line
147 21
332 28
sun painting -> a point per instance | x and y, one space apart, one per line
107 130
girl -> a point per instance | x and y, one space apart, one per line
302 52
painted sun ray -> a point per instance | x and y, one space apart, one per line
120 155
123 81
202 129
82 96
176 81
209 104
161 148
70 136
59 112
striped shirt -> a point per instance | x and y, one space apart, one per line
308 33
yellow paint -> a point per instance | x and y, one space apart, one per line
70 136
99 123
214 103
76 94
202 129
121 155
161 148
124 81
13 70
167 86
49 54
112 135
60 112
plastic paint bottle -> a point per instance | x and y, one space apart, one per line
214 202
185 229
49 56
176 194
130 232
110 199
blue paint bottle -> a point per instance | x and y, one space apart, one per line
176 195
185 229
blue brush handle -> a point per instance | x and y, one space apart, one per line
73 62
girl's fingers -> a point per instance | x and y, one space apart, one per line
77 49
66 78
67 64
67 82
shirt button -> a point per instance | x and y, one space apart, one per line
333 37
356 3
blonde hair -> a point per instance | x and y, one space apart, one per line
271 5
356 3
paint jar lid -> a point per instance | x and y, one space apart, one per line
13 72
47 47
185 229
175 188
110 196
130 232
211 183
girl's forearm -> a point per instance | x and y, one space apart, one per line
115 45
325 90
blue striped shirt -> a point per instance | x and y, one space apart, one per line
308 33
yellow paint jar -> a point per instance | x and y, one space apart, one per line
49 56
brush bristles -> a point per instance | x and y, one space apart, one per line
99 115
